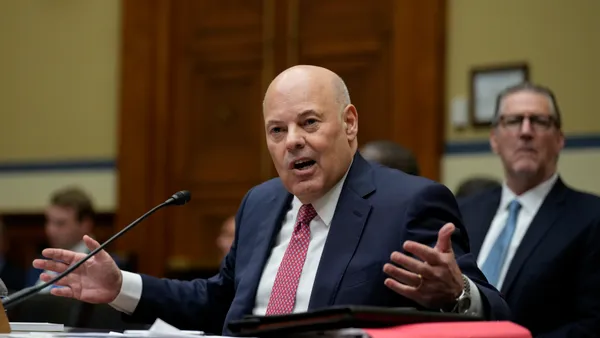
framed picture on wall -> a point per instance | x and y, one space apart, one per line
485 85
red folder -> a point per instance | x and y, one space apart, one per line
499 329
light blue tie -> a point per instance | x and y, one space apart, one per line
497 256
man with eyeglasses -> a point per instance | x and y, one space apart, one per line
536 239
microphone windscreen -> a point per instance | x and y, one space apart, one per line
181 197
3 289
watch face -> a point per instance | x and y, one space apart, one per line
464 304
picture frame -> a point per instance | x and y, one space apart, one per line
486 82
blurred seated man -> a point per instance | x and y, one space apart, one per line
69 217
226 235
476 185
391 155
535 238
11 274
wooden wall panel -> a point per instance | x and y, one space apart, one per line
216 117
418 80
353 40
143 126
194 74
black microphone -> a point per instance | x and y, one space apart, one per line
179 198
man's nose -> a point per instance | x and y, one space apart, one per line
295 139
526 128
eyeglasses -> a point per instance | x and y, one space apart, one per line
537 122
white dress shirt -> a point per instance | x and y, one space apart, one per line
319 228
131 289
530 202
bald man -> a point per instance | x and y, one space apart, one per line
331 230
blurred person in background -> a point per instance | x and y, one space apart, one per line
69 216
226 236
11 274
474 185
391 155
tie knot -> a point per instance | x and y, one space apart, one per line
514 206
306 213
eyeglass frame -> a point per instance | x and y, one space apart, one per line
536 121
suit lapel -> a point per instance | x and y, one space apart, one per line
542 222
266 233
483 220
346 229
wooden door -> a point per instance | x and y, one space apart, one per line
194 76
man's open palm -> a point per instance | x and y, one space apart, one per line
96 281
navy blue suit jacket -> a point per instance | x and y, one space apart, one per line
553 282
378 210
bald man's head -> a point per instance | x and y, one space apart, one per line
338 88
311 129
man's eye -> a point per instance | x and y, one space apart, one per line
310 121
513 121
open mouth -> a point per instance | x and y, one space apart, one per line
303 164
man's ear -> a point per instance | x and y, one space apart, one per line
350 122
561 140
493 140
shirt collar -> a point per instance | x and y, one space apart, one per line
325 206
532 198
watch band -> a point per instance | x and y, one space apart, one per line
465 296
467 285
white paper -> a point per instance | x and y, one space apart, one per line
161 328
459 113
36 327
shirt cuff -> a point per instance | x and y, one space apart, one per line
475 309
130 293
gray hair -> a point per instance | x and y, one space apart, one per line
528 87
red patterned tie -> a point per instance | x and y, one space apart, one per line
283 295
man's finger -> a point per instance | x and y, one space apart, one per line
91 243
60 255
46 277
444 242
62 292
410 264
424 252
401 275
45 264
404 290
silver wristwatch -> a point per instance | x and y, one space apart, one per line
463 302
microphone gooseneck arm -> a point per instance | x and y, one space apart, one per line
178 198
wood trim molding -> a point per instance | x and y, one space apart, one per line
144 109
419 64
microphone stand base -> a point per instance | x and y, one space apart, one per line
4 323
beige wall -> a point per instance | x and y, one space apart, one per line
560 39
58 95
60 81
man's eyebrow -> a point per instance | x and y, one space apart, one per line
309 112
272 122
304 114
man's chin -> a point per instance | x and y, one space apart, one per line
526 170
307 190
